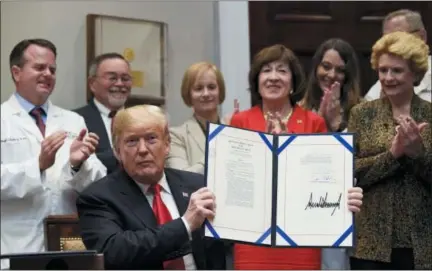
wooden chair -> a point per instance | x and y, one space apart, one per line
62 233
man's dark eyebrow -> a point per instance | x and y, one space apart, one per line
44 63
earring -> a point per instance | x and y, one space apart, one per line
291 91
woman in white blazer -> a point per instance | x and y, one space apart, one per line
202 89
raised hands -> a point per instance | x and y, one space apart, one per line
397 149
227 118
236 106
82 147
49 148
275 124
330 108
408 139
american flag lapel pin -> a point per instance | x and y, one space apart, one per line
186 195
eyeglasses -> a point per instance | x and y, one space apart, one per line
113 78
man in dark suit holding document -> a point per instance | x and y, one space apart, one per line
145 216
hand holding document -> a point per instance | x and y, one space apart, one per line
280 190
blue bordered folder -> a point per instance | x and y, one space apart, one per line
304 192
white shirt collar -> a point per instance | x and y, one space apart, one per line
426 83
102 108
163 183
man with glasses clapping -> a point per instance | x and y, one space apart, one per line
110 82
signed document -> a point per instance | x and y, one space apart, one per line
280 190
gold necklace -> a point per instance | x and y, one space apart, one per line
284 119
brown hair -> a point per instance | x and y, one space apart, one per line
350 88
97 61
270 54
17 58
193 73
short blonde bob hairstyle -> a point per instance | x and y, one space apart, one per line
135 116
407 46
193 73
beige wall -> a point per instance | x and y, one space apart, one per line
192 36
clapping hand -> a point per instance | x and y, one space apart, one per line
330 105
82 147
397 148
275 124
49 148
408 136
227 118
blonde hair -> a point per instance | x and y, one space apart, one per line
193 73
405 45
137 115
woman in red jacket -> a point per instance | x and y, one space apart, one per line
277 83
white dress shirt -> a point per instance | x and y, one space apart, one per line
423 90
169 201
104 111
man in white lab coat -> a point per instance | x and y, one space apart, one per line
407 21
46 152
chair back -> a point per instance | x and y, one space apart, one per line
62 233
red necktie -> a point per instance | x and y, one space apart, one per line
37 113
163 216
111 115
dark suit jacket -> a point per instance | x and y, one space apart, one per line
109 160
117 220
397 192
95 124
